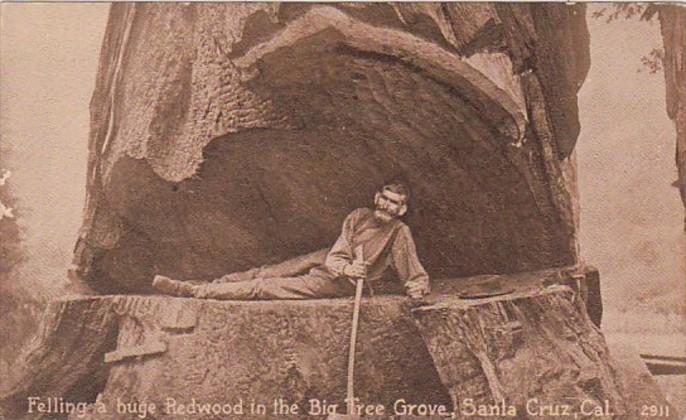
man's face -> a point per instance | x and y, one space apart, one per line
389 205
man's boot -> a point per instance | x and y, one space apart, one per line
171 287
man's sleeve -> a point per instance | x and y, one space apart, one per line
405 260
341 253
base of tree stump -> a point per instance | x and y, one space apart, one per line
534 353
535 344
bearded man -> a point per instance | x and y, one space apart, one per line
386 244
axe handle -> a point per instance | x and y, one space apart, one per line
350 393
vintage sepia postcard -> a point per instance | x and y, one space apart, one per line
342 210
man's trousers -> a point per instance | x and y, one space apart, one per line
306 286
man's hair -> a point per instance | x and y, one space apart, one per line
398 188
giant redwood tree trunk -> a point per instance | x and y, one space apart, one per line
228 136
673 27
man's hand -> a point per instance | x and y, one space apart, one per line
356 270
417 290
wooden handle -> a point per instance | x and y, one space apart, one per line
350 394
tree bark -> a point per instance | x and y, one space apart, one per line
673 27
223 352
525 353
65 360
227 136
535 342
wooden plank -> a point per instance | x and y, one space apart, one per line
155 347
665 365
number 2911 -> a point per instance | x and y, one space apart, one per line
654 410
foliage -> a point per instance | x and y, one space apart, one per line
624 10
10 249
19 311
653 61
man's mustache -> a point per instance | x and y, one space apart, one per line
384 212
